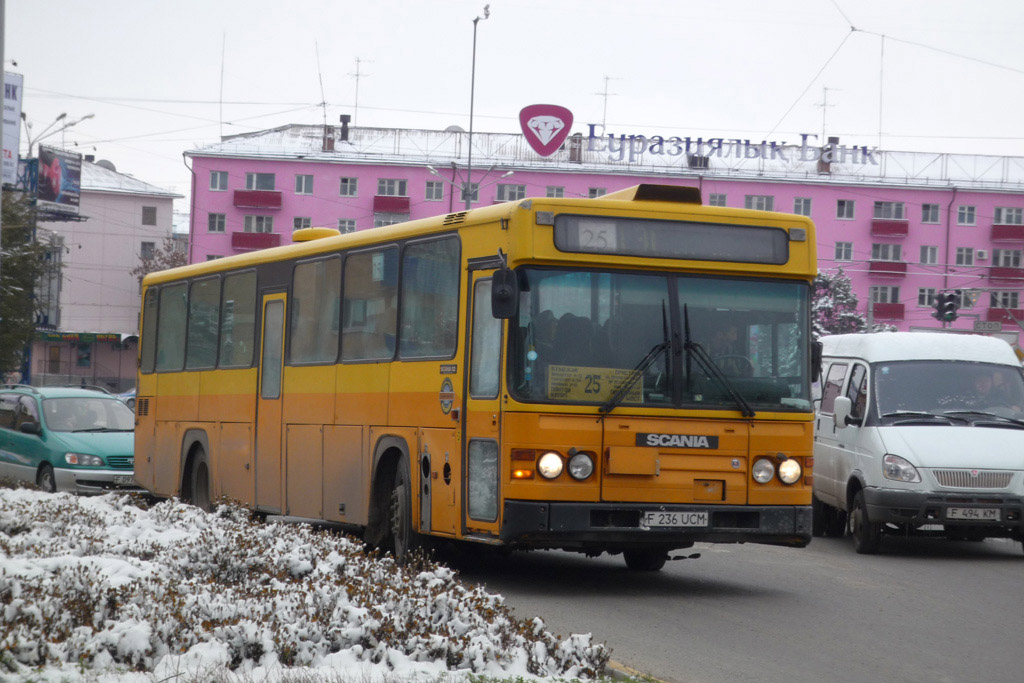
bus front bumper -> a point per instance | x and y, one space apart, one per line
618 526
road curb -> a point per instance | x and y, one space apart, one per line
621 672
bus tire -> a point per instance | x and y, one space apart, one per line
645 560
199 481
404 539
836 525
46 479
867 535
820 515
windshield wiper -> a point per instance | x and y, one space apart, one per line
913 413
696 351
982 413
637 372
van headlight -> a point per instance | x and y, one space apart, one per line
550 465
790 471
762 471
83 459
899 469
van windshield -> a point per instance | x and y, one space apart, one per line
939 387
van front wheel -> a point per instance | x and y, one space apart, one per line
867 535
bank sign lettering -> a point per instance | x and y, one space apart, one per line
546 126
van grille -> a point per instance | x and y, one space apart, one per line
973 479
120 462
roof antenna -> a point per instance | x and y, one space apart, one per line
357 75
323 98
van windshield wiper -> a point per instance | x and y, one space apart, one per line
696 351
984 414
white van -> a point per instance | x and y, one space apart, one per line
918 433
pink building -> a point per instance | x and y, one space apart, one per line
902 225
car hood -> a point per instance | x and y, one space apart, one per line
99 443
956 446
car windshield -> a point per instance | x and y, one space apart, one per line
939 387
580 335
87 414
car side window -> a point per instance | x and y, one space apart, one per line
27 412
857 391
833 386
8 410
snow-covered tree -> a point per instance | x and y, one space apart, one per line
22 265
834 307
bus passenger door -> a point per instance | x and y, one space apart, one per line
268 406
482 412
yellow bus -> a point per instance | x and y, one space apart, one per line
628 374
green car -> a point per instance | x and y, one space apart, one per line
66 439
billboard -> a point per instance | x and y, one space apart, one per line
13 85
60 180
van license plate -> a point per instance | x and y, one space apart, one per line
674 519
124 480
980 514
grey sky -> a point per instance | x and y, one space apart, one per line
952 78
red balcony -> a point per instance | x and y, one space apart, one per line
1005 273
898 268
885 227
1008 233
1001 315
888 311
257 199
251 241
382 204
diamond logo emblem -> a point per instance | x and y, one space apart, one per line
545 127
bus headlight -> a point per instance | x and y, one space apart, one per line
550 465
763 470
581 466
789 471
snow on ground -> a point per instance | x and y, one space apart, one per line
97 588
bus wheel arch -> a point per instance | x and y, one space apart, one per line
389 453
195 471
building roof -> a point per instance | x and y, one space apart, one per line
736 159
99 178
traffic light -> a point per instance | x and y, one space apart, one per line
946 305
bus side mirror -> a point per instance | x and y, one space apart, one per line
816 353
504 294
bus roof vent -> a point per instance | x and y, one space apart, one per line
455 218
657 193
307 234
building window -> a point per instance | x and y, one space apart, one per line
716 199
890 210
346 225
1006 258
259 181
216 222
965 215
886 252
929 255
474 191
148 250
595 192
349 187
556 191
802 206
1006 215
381 220
511 193
759 202
1005 299
149 215
844 251
929 213
302 222
259 224
964 256
219 181
844 209
303 184
435 191
884 294
925 296
213 257
967 298
390 187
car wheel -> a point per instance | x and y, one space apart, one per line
405 541
46 479
820 516
200 482
867 535
645 560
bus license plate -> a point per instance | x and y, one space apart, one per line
673 519
980 514
124 480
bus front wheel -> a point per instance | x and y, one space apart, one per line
404 539
645 560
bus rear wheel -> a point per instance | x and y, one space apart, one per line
645 560
404 539
199 482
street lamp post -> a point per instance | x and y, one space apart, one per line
47 132
472 87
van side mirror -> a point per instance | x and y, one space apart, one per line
30 428
816 353
841 412
504 293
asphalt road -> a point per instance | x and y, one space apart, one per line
926 610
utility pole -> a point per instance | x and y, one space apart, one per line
606 95
3 106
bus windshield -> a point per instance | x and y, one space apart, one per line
580 334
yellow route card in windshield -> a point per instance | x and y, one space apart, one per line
569 382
